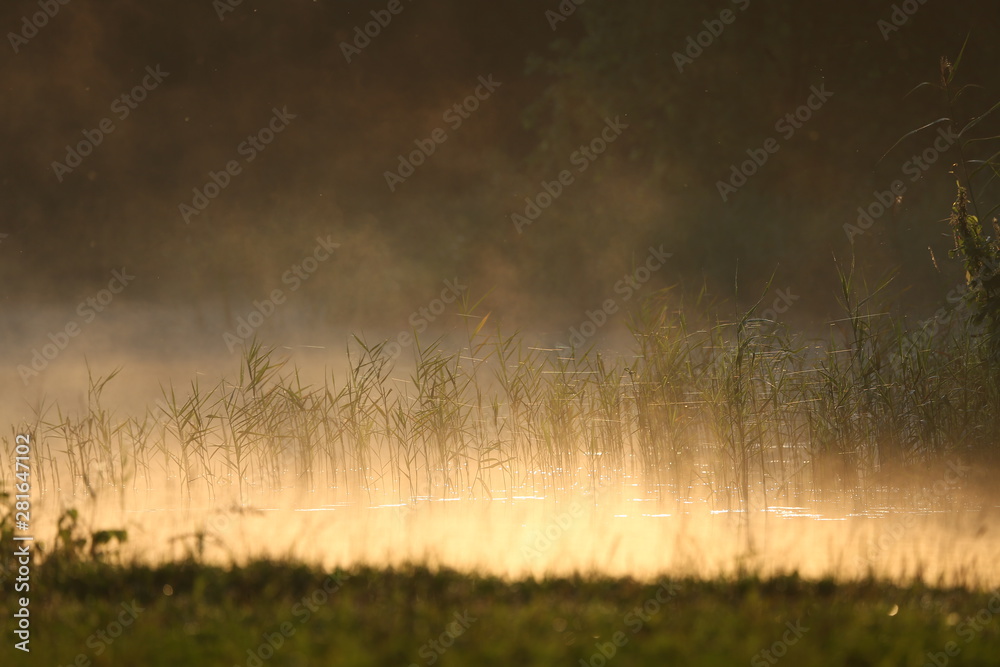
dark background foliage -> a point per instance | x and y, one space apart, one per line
656 185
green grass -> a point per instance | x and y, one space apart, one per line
213 616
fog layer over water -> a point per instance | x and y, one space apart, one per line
330 487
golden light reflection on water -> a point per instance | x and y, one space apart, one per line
535 536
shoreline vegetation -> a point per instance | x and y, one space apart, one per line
281 613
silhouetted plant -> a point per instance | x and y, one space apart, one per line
978 250
981 256
72 540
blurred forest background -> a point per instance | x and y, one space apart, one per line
324 174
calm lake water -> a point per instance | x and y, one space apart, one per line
610 532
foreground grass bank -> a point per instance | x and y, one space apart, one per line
287 614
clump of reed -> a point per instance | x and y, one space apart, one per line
740 412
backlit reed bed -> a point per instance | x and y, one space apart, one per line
739 412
